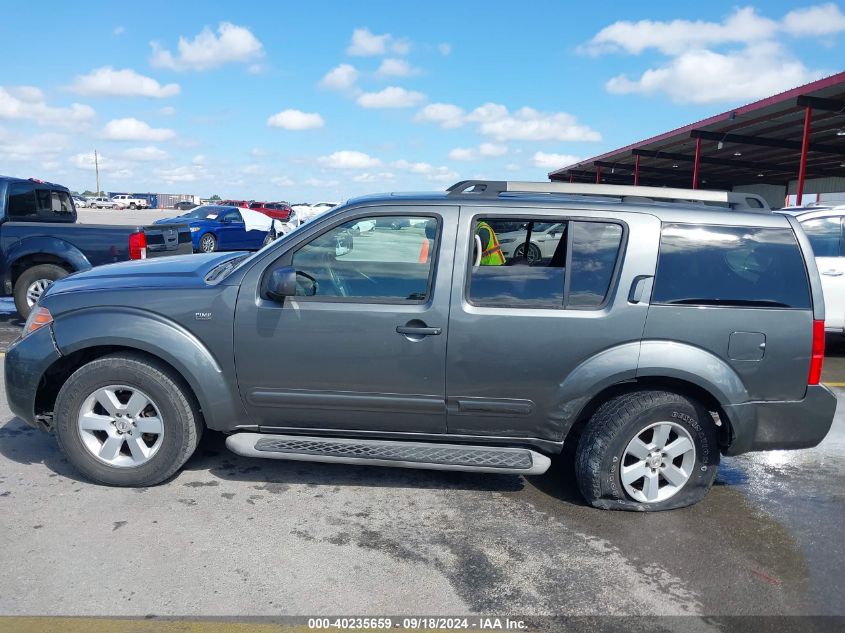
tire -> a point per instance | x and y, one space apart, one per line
534 254
133 206
24 285
208 243
606 449
170 400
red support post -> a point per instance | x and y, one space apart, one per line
598 174
805 146
695 164
637 170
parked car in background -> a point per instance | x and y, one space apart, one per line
276 210
824 226
128 202
545 237
80 202
235 203
185 205
40 241
224 228
101 202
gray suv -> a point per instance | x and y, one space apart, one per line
660 329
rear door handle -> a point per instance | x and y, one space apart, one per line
833 273
409 330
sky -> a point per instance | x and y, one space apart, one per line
321 101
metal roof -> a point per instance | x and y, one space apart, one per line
755 143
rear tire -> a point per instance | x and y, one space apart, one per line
170 401
641 432
133 206
32 283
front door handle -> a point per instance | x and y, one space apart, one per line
410 330
833 273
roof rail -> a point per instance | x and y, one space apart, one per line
626 193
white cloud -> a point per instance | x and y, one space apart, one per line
676 36
206 50
554 161
446 115
370 177
27 102
107 81
462 153
167 111
823 19
349 159
528 124
444 49
428 170
31 147
485 150
199 159
131 129
390 97
342 77
393 67
321 183
365 43
282 181
705 76
148 153
296 120
186 173
118 30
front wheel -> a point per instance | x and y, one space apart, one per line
126 420
32 283
534 254
647 450
133 206
208 243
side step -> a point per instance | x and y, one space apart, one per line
431 455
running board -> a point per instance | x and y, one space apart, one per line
431 455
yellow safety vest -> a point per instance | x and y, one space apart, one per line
491 253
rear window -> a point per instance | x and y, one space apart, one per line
730 266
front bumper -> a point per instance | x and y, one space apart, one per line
27 360
782 425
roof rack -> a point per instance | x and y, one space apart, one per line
626 193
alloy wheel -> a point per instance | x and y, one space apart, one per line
657 462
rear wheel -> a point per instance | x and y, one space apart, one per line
534 254
32 283
208 243
647 450
133 206
126 420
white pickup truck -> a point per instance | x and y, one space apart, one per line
128 202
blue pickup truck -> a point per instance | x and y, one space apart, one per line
41 242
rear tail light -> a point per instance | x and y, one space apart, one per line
38 318
137 246
817 356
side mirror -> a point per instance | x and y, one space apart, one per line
282 283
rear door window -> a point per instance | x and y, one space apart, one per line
825 236
537 263
732 266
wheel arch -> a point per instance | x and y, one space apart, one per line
33 251
86 334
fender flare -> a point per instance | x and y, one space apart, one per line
48 245
151 333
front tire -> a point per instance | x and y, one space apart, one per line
133 206
647 450
32 283
534 254
208 243
126 420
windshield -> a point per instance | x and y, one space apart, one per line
204 213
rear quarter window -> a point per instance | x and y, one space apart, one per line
731 266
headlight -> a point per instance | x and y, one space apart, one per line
38 318
195 229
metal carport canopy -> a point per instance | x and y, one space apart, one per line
799 134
